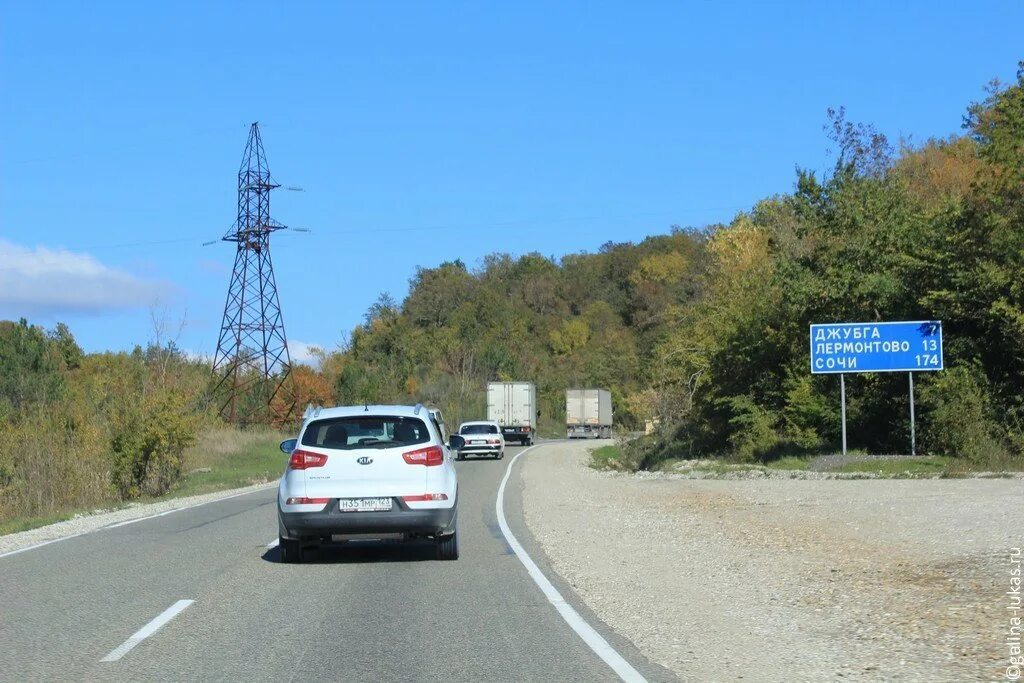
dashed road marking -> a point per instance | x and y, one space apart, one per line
146 631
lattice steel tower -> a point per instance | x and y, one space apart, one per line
252 365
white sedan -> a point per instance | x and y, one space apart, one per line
482 438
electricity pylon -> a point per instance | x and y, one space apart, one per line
252 366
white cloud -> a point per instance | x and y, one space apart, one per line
41 281
301 352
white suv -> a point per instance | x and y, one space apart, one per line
368 471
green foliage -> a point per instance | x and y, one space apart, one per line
32 363
935 233
572 336
753 434
558 324
147 445
810 419
958 414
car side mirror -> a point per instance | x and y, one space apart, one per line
288 445
455 441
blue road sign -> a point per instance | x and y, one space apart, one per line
876 347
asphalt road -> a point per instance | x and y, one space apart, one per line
378 611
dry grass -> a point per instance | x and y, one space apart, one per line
48 474
47 470
219 442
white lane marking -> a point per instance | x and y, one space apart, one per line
139 519
147 630
187 507
273 544
129 521
592 638
41 544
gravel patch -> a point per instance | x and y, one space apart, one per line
91 521
785 579
818 470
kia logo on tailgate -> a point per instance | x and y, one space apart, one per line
365 460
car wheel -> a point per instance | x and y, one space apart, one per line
448 547
291 550
460 456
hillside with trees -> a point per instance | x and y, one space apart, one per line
704 330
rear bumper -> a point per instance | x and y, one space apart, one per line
400 519
585 431
481 450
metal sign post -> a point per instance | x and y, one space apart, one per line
905 346
842 403
913 436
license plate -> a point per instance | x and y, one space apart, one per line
476 442
364 504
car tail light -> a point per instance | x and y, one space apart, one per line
303 460
308 501
493 441
430 456
425 497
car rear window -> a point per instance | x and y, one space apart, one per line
348 433
479 429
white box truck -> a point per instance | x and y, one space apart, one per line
513 405
588 414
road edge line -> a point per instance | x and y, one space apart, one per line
608 654
248 490
118 525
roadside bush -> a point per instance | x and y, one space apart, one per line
148 445
958 416
647 452
753 430
807 415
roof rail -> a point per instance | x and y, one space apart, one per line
416 411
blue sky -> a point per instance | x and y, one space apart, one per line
423 132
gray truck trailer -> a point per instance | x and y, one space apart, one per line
588 414
513 405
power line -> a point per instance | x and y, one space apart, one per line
536 222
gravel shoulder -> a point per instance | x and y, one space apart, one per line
92 521
785 580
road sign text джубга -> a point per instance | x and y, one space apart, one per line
911 346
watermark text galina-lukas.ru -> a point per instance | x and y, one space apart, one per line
1014 609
